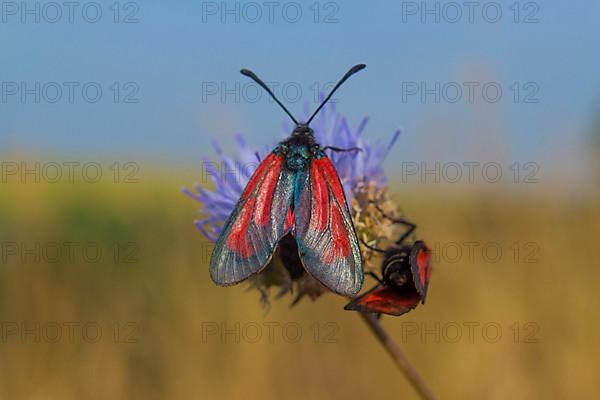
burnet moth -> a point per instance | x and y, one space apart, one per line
405 274
294 191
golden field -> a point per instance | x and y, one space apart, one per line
162 320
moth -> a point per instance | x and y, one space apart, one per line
405 273
294 191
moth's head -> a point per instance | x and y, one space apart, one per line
396 268
302 129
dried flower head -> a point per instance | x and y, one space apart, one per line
368 207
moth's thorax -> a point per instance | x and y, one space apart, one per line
299 148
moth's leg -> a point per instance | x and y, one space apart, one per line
410 227
332 148
374 276
375 249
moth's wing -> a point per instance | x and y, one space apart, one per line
324 230
253 229
385 300
419 258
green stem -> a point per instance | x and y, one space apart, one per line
398 356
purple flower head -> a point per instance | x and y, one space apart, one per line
230 175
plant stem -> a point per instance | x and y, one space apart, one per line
399 357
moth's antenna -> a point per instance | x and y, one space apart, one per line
351 72
256 79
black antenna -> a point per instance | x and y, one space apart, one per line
256 79
351 72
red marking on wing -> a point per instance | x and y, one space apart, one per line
424 266
237 239
264 196
387 301
330 173
340 247
320 201
290 223
258 174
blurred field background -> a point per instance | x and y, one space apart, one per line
158 65
169 296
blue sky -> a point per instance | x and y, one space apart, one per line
175 51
